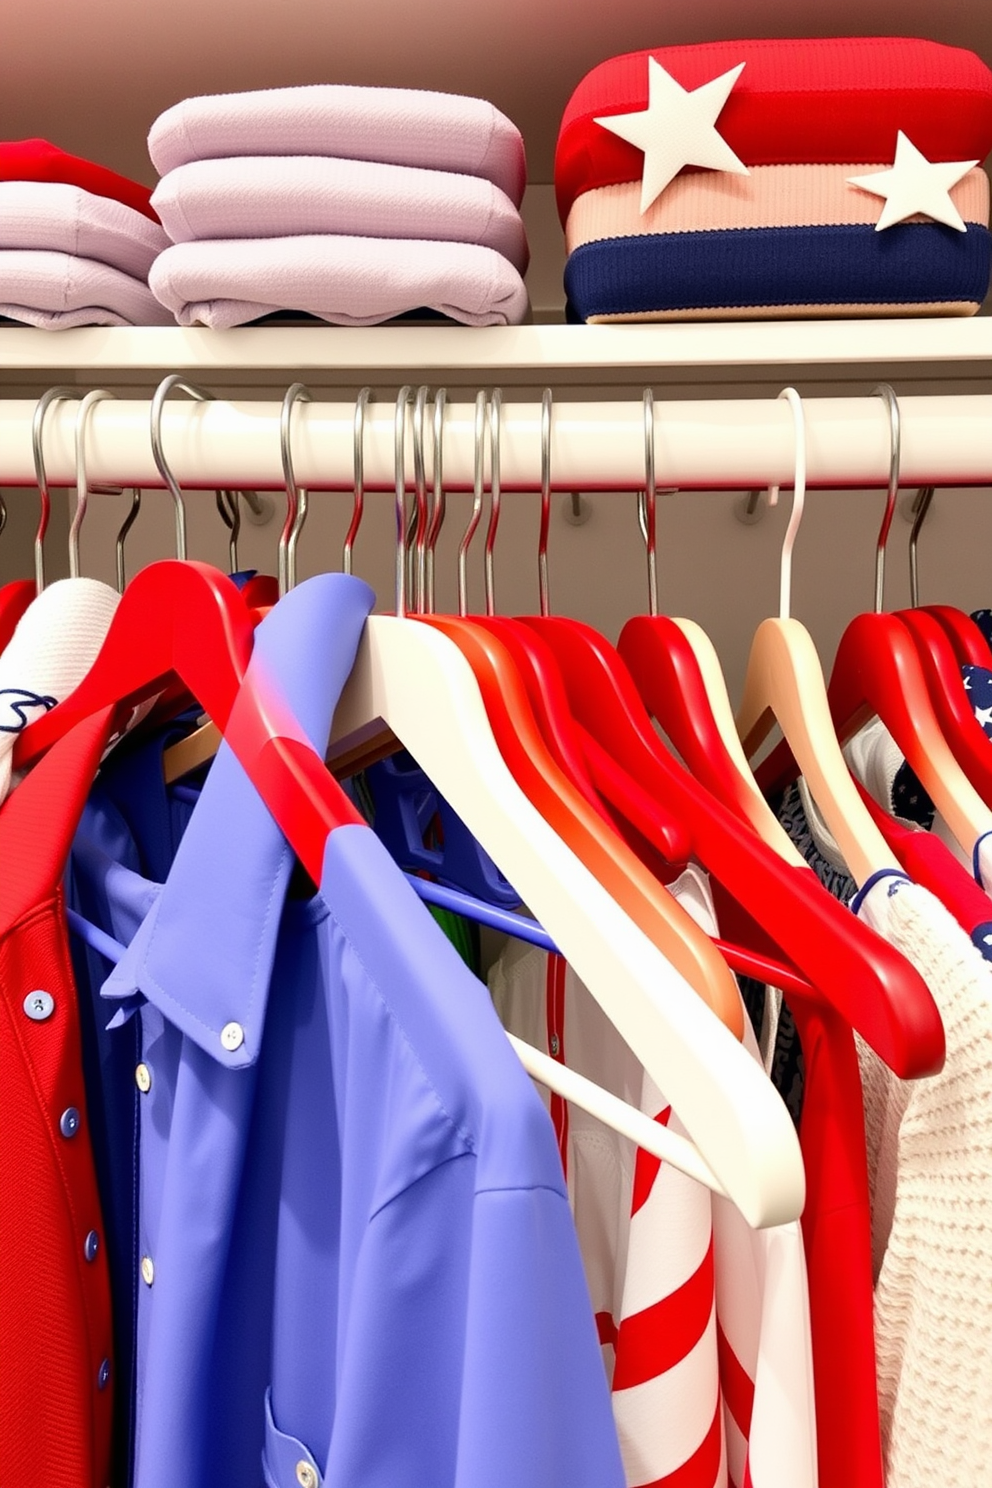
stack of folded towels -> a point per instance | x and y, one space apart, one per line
76 242
752 179
350 204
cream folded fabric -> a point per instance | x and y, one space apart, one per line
345 280
770 196
58 218
56 291
404 126
281 195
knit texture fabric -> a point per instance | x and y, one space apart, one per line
281 195
930 1144
66 219
344 280
55 291
817 101
749 273
37 160
404 126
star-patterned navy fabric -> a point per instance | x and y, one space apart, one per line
909 799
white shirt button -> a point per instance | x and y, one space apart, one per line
143 1078
232 1036
147 1270
306 1475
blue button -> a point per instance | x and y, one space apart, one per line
91 1245
69 1122
103 1377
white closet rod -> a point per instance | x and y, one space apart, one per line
706 445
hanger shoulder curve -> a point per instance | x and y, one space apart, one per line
418 683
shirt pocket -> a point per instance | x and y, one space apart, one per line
286 1462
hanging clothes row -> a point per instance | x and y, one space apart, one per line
305 1218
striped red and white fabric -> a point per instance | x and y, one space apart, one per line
704 1322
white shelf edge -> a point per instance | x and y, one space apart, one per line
536 348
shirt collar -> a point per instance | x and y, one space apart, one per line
204 953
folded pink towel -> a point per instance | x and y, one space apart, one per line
257 196
345 280
56 291
66 219
403 126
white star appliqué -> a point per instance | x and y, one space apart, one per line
984 716
916 184
677 128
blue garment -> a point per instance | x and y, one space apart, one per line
354 1242
842 263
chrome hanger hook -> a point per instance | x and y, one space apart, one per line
229 507
650 502
478 488
98 395
44 403
798 500
358 510
399 456
887 394
419 543
296 499
437 488
165 387
125 528
542 540
495 413
921 505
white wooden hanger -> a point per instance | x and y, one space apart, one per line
784 684
411 678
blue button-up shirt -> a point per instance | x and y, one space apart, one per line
352 1253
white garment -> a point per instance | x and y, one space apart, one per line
930 1173
682 1282
347 281
56 641
66 219
268 196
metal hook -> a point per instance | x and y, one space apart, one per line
495 409
478 487
230 514
54 395
437 486
358 509
98 395
887 394
125 528
650 502
399 452
418 551
296 499
165 387
542 540
798 500
921 505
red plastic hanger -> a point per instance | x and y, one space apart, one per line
970 646
950 699
874 989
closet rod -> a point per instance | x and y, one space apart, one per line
700 444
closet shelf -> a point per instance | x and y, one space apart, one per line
848 351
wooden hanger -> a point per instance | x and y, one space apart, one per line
784 684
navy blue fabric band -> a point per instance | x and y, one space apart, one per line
911 263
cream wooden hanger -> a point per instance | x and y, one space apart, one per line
784 684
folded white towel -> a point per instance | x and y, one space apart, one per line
66 219
257 196
56 291
347 281
403 126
